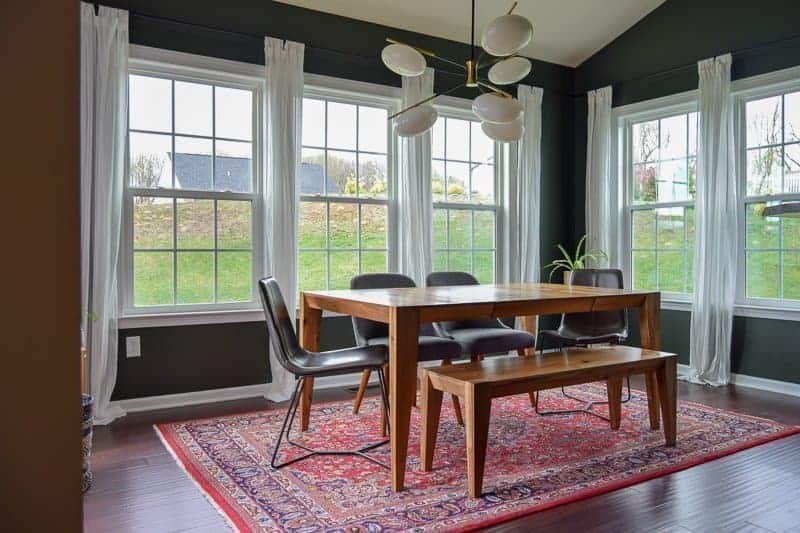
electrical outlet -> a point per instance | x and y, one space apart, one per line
133 347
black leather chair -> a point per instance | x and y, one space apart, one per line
304 364
583 329
432 347
478 337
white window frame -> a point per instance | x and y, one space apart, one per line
189 67
365 94
459 108
623 118
745 90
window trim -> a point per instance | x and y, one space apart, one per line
754 88
623 118
459 108
188 67
370 95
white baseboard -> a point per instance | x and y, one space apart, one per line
753 382
167 401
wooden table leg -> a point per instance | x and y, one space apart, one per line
478 405
650 332
310 322
667 383
651 383
429 426
403 349
614 387
531 325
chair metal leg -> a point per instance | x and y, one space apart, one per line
286 429
588 404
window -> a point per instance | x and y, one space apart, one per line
465 199
345 184
660 165
190 193
771 174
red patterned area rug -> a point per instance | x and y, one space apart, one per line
533 463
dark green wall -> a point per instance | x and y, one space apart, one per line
192 358
657 57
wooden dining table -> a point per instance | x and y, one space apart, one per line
404 309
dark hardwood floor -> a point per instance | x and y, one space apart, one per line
139 487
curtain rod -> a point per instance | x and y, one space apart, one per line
693 66
262 36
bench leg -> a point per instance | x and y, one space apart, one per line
614 386
532 396
456 402
651 383
429 426
667 382
478 408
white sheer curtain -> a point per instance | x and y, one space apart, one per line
523 193
283 111
715 226
104 112
599 194
414 200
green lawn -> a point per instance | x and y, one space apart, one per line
660 261
189 250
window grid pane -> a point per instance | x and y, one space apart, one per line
772 169
463 173
662 167
183 137
344 187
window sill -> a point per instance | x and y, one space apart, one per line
742 309
190 318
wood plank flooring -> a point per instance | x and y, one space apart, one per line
139 487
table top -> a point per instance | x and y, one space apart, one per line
471 294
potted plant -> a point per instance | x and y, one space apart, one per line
569 263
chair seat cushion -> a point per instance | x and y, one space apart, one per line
481 341
430 348
346 361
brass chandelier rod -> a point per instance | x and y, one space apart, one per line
426 100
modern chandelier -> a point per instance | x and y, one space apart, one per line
500 113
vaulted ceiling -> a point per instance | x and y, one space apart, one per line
565 31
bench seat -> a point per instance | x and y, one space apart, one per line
478 382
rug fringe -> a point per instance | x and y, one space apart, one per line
228 521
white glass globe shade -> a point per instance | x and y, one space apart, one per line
506 35
415 121
504 133
404 60
509 70
491 107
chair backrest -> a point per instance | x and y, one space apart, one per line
597 323
279 325
368 329
451 279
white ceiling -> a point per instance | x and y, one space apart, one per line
564 31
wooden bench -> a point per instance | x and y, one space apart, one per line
478 382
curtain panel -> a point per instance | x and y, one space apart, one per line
716 213
283 136
599 187
523 193
414 198
103 129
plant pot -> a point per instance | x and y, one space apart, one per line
567 277
87 417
